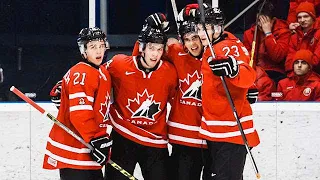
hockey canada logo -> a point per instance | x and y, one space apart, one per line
104 108
143 106
191 86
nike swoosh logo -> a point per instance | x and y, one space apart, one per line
128 73
182 54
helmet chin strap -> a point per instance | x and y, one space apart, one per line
199 56
88 62
143 59
147 70
221 36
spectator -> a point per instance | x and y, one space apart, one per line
305 84
295 3
271 42
264 84
306 37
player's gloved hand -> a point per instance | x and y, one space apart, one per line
224 66
101 147
252 95
157 20
55 94
187 13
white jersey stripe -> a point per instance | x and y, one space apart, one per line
183 126
80 95
187 140
137 136
71 161
68 148
226 123
81 107
225 135
240 62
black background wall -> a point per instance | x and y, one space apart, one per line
38 37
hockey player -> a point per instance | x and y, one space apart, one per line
142 86
188 149
84 102
218 125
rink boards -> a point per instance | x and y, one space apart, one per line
289 134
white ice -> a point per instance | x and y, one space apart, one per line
289 149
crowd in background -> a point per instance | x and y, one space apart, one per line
286 52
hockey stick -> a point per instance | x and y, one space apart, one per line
253 46
69 131
175 13
240 14
202 19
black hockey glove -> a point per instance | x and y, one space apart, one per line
252 95
101 147
227 66
157 20
55 94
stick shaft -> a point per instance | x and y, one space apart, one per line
27 99
175 12
69 131
253 49
253 46
241 13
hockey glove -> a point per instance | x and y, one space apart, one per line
188 13
55 94
158 20
227 66
252 95
101 147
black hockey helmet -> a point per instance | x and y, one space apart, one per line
213 16
151 35
89 34
187 27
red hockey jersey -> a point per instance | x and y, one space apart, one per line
140 100
218 122
84 103
186 111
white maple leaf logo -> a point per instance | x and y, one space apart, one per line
191 86
144 106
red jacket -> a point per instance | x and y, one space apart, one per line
218 122
293 6
264 84
272 50
308 41
296 88
84 103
